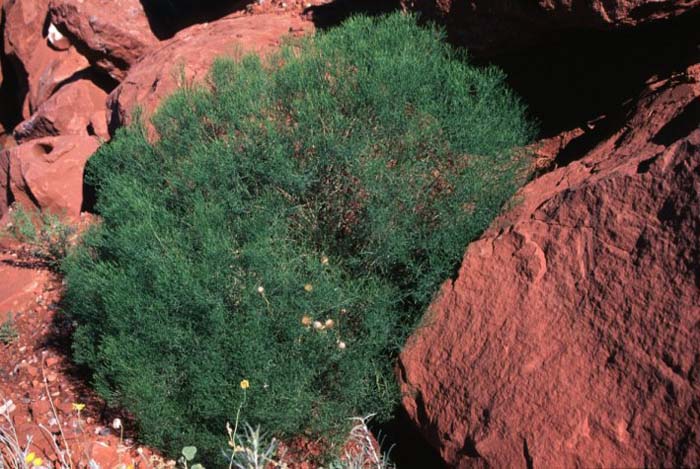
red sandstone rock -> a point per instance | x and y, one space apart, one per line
189 55
571 336
76 109
115 33
36 63
488 26
18 288
46 173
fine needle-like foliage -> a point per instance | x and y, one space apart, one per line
288 228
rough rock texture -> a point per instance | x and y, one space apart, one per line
488 26
40 69
46 173
18 287
76 109
571 336
113 34
189 55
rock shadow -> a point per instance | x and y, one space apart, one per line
167 17
333 13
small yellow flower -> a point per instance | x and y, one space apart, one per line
308 287
245 384
77 406
30 457
324 260
37 462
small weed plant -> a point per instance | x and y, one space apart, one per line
47 235
8 330
288 227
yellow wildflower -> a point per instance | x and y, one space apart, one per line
30 457
245 384
308 287
37 462
78 406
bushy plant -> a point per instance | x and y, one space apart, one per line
288 228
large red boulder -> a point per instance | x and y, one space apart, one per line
489 26
113 34
75 109
571 336
187 57
46 173
35 62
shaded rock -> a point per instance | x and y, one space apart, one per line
571 336
488 26
187 57
113 34
46 173
76 109
40 69
6 139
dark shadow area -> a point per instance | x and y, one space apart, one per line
89 198
406 446
680 126
578 76
333 13
98 77
14 87
167 17
581 146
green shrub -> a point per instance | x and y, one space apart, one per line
340 180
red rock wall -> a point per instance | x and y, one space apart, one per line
570 337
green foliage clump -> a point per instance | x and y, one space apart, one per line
339 180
